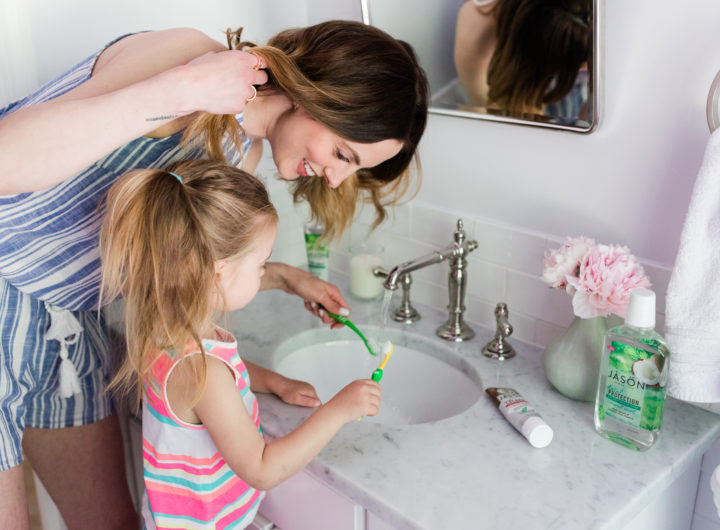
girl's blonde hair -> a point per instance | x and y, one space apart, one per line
159 242
360 83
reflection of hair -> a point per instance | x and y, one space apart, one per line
541 45
159 242
363 85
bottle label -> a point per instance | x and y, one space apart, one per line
634 391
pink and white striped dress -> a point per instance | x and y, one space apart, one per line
188 483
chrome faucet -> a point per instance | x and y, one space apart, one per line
455 329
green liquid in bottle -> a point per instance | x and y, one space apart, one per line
631 390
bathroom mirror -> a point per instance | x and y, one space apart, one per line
456 41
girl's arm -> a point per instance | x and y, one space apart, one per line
290 391
140 83
264 465
313 290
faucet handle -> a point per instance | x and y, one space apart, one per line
459 234
499 348
460 237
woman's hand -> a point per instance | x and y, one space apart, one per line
220 82
313 290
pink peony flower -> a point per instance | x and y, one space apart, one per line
599 277
562 263
606 275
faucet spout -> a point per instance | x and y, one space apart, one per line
394 277
455 253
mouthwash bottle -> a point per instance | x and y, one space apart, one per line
633 373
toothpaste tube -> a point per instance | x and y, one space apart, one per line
521 415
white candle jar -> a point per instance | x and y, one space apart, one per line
364 257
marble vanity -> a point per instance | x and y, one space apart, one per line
474 470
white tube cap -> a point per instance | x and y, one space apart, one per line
538 433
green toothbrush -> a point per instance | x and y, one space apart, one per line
377 374
387 350
344 320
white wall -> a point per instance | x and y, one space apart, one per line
18 74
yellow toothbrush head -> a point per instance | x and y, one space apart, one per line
388 349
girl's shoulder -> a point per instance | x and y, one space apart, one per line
191 377
222 347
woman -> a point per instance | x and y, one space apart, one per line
342 105
518 56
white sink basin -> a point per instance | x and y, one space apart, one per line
423 381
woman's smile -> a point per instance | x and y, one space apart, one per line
304 169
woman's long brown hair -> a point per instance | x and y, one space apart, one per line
541 45
359 82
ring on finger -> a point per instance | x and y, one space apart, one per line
258 64
248 100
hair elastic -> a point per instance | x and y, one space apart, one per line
176 176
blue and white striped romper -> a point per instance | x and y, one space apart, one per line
49 259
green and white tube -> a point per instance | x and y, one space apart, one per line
318 254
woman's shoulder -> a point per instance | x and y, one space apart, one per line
199 41
477 16
158 50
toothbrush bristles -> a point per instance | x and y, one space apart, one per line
387 348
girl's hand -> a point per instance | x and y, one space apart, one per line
359 398
220 82
296 392
289 390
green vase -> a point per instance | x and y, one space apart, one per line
572 359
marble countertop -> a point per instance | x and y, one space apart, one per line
474 469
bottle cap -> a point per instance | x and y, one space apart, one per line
538 433
641 310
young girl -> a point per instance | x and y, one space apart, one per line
182 246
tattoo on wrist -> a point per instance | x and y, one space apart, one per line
162 118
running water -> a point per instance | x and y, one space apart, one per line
376 342
387 298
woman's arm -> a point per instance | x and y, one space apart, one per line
474 46
313 290
264 465
140 83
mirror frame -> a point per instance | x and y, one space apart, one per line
712 108
596 83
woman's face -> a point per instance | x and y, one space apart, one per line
302 146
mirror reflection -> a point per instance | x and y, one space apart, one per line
521 61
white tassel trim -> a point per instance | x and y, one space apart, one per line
66 329
69 380
63 324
